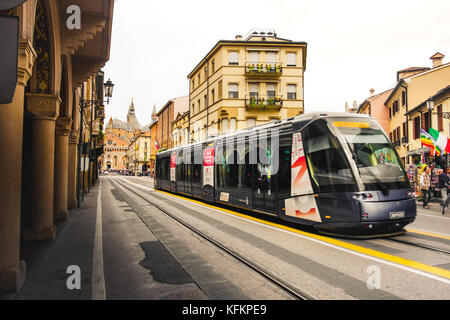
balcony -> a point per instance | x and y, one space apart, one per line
404 140
263 69
396 143
263 103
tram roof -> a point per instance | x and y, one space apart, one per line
312 116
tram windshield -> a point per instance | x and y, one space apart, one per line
378 163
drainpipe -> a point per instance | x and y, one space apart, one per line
407 122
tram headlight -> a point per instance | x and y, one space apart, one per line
362 196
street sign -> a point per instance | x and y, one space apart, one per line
9 44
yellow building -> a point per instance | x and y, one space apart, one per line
139 153
180 129
245 82
408 110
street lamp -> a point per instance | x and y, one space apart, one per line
108 87
84 103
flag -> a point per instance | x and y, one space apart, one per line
156 146
442 143
429 141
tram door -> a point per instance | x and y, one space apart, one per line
264 178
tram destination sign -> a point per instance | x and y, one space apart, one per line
9 41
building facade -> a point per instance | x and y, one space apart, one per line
180 129
118 137
246 82
41 128
374 106
408 110
139 153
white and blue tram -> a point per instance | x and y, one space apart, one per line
337 172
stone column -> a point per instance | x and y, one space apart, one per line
12 270
72 169
45 109
61 168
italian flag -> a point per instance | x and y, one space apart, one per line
442 143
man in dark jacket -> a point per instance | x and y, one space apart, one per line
444 182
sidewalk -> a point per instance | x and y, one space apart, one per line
47 276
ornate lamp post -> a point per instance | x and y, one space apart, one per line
108 87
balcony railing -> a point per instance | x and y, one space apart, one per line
263 102
404 140
263 69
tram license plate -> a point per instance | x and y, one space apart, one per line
397 215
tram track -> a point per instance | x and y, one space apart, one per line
419 245
275 280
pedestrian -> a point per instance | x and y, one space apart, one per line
444 182
425 184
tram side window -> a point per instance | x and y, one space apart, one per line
328 166
284 170
197 166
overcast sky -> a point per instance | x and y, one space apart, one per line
352 46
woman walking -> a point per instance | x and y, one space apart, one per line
425 184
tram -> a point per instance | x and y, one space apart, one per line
336 172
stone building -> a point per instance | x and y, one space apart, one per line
118 137
40 128
245 82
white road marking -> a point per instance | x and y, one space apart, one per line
98 277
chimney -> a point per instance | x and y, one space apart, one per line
238 37
437 59
372 92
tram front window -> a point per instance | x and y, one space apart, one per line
329 168
378 163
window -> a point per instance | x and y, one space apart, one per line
440 118
251 122
271 57
198 76
270 90
220 90
193 84
224 126
403 98
213 66
292 91
405 129
232 124
233 58
198 103
213 96
206 73
233 91
253 57
416 127
206 101
328 166
291 59
253 88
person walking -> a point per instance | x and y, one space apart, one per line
444 182
425 184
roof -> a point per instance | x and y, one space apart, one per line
370 99
437 55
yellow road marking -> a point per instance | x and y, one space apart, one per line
370 252
428 234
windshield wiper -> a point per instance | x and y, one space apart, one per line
377 181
